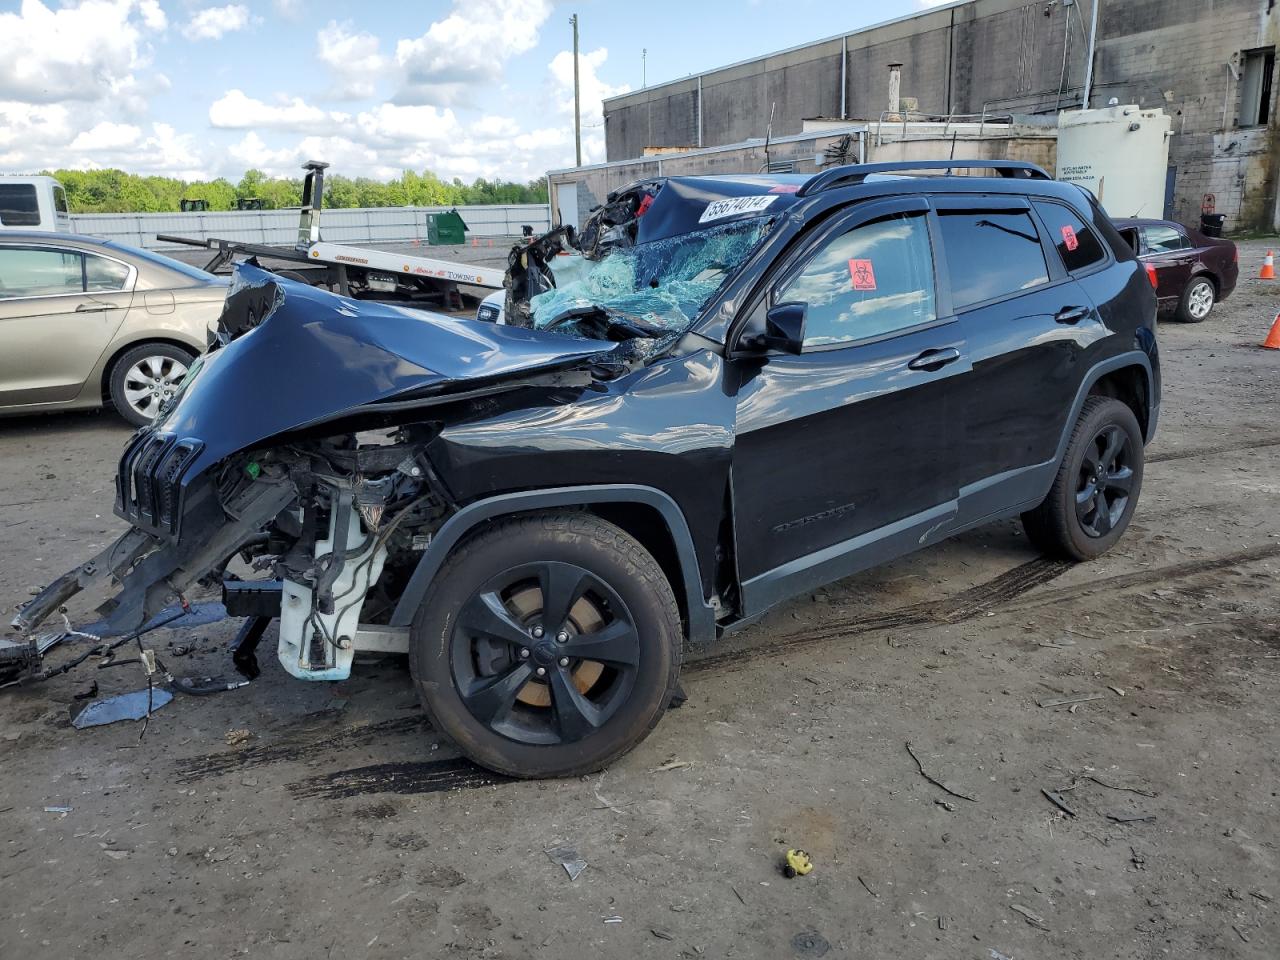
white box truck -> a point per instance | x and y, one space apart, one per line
33 203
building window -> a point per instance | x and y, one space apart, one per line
1255 87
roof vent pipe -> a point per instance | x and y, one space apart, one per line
895 87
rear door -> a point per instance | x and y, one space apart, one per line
1169 250
1027 322
59 309
849 442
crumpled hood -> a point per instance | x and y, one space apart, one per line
298 355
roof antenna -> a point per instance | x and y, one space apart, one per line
768 135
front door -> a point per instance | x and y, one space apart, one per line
844 452
59 309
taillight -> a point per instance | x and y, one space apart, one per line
1151 275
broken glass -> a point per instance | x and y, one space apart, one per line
654 289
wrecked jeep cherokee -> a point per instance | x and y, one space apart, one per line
754 385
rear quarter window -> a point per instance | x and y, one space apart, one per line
18 205
991 254
1077 244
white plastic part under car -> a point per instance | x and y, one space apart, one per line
334 633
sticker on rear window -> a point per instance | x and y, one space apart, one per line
863 274
719 209
1069 237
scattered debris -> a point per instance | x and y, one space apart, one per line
606 804
867 887
1262 895
613 919
62 810
797 864
739 896
947 805
87 694
1110 786
997 955
937 783
810 943
1115 819
567 857
1137 859
1240 933
1065 701
235 738
1117 691
1056 799
673 765
661 934
1030 915
206 686
117 854
137 705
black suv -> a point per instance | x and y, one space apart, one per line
746 386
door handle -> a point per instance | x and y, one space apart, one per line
1071 314
94 307
935 359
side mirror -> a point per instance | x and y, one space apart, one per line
784 327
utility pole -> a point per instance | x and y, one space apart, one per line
577 111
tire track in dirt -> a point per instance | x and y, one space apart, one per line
982 598
192 769
432 776
1191 452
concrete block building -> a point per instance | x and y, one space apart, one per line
1209 64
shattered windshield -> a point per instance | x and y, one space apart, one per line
653 290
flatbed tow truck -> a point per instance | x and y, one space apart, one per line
362 273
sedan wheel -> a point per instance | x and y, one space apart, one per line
1197 301
145 378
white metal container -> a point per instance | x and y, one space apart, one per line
1120 154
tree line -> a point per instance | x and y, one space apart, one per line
114 191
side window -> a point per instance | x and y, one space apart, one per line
991 254
18 205
59 200
39 273
1161 239
872 280
102 274
1077 244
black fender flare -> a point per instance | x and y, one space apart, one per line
1130 358
702 623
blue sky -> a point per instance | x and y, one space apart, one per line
194 88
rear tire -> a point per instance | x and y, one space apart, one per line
1197 300
495 616
144 377
1096 489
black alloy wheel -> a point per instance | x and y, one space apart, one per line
1106 479
544 653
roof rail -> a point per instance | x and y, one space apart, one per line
855 173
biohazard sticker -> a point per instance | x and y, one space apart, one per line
862 274
1069 237
719 209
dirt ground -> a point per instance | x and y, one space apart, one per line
344 827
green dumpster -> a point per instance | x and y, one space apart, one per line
445 228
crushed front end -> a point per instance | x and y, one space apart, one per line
291 472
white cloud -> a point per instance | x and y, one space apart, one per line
593 91
469 46
106 136
76 52
235 110
353 57
289 9
212 22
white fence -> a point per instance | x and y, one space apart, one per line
280 227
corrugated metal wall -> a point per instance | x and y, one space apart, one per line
280 227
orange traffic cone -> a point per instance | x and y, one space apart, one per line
1273 338
1268 267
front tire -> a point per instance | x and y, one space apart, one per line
547 645
145 377
1197 300
1096 489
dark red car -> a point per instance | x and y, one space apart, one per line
1193 271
